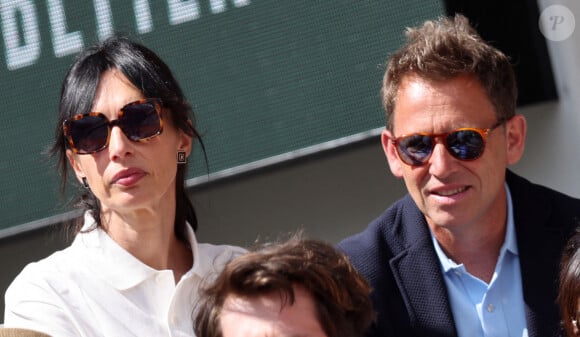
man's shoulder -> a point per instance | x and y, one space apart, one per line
543 208
523 190
383 232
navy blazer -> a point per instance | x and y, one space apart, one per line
396 255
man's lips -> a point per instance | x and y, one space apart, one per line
447 192
128 176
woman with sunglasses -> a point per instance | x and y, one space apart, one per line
134 268
569 293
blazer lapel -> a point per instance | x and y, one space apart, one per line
417 272
539 246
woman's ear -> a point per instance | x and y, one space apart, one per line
185 142
391 154
74 163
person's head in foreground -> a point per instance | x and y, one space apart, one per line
300 287
569 291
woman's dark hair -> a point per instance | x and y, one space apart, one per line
569 291
148 73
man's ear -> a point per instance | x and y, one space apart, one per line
75 165
391 154
515 138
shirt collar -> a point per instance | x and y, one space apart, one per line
113 263
510 238
510 243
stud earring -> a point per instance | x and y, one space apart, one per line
85 183
181 157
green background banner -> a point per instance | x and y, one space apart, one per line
265 77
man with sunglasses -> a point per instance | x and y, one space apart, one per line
473 249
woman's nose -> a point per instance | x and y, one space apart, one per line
119 144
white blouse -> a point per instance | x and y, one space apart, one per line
97 288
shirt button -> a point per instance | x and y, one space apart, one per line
490 308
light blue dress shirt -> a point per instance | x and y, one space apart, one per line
488 310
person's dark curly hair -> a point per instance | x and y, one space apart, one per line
340 293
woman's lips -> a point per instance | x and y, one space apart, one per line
128 177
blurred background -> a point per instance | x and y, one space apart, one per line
286 96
